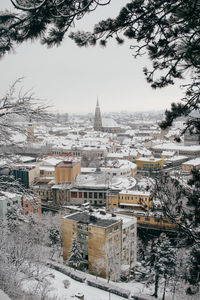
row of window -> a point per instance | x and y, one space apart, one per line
13 203
90 195
135 198
155 220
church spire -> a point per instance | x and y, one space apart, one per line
97 118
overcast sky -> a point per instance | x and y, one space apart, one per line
71 78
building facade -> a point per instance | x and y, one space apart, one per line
108 242
130 200
7 200
149 164
67 171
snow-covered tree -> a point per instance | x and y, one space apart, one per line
17 104
14 217
160 261
75 260
194 269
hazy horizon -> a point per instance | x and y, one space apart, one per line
71 78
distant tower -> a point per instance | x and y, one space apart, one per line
97 118
30 131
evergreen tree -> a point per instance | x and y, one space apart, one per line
194 268
14 217
76 259
160 261
181 203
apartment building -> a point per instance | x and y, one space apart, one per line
108 242
31 204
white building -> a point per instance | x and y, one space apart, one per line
8 200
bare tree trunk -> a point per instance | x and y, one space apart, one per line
155 294
163 297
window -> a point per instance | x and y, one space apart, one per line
147 219
95 195
116 237
110 230
74 194
165 221
90 195
138 218
116 228
85 194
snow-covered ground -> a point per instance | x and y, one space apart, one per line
3 296
90 293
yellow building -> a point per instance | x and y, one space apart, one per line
128 199
100 240
67 171
149 164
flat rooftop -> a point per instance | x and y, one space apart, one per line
86 218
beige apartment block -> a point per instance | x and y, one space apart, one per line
99 239
108 241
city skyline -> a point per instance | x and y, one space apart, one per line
70 78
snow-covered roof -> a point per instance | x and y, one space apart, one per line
51 161
135 193
115 155
108 122
176 147
193 162
47 168
149 159
130 204
170 153
102 181
177 158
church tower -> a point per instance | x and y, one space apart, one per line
97 118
